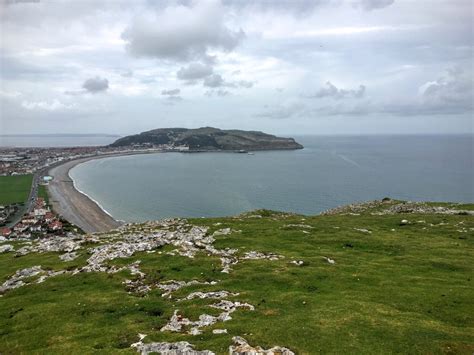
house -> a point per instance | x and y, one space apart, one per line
5 231
40 212
49 217
36 228
55 225
20 227
29 220
39 203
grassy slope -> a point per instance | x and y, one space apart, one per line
403 291
14 188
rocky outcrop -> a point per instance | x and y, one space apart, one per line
389 207
209 138
241 347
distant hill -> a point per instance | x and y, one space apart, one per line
209 138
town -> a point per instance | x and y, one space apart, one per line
24 214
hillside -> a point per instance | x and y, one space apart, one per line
375 278
208 138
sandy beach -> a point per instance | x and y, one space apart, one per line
75 206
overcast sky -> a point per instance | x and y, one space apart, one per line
285 67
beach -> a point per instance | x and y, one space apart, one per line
75 206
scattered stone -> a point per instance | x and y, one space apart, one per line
177 323
300 225
219 331
68 256
179 348
224 231
404 222
231 307
380 208
298 262
363 230
212 294
329 260
6 248
173 285
255 255
17 280
241 347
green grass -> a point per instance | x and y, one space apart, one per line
403 291
15 189
43 192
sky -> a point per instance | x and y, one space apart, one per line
283 67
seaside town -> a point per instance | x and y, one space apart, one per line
20 161
40 222
34 217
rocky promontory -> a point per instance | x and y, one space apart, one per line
209 138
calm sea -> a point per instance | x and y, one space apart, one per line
329 172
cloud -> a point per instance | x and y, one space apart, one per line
332 91
172 92
181 33
245 84
172 100
95 85
218 92
54 105
194 71
214 81
369 5
127 74
453 89
284 111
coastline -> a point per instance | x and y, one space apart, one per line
79 208
75 205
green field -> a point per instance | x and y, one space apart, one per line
15 189
43 192
398 289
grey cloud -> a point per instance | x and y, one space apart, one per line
127 74
245 84
172 100
214 81
95 85
181 33
332 91
300 7
218 92
194 71
369 5
453 89
284 111
172 92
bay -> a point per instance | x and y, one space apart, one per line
330 171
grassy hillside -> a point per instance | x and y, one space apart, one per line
393 288
14 188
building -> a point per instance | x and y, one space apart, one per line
20 227
40 212
29 220
55 226
49 217
5 231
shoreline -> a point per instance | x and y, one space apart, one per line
80 209
76 206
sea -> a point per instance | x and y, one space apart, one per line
330 171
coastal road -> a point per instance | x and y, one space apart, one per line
73 205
